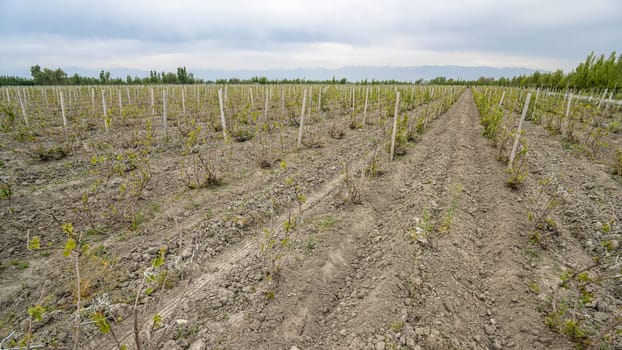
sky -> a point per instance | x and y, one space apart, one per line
286 34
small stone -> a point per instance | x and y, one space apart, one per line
198 345
490 330
422 241
356 343
380 345
294 347
601 317
343 332
447 307
171 345
186 253
120 310
496 345
422 331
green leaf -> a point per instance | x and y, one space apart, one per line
36 312
583 277
69 246
157 321
566 275
101 322
159 260
67 228
34 243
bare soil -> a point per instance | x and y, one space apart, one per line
436 255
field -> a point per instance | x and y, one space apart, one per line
133 217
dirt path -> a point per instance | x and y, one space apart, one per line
475 278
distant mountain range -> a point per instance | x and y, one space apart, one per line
352 73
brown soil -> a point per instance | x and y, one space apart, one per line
436 256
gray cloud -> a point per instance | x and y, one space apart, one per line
284 34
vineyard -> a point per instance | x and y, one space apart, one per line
309 217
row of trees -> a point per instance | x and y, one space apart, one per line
594 73
47 76
333 81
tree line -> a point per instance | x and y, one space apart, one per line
47 76
594 73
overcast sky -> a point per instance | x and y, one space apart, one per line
266 34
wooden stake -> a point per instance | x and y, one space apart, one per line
197 93
265 108
22 105
378 97
120 102
502 97
62 110
365 109
70 104
93 100
302 118
152 101
310 99
222 114
183 100
164 110
602 99
568 106
283 102
394 133
105 109
518 131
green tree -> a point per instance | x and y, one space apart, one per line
182 76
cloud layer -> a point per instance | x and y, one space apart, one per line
240 34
